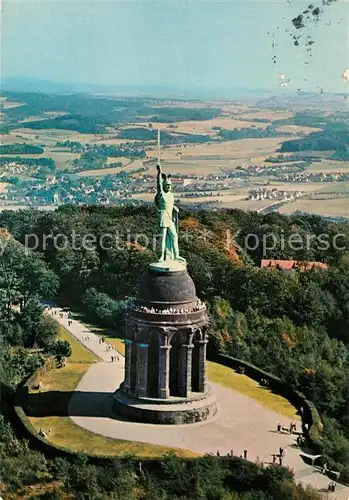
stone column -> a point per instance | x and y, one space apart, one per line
164 371
202 365
128 365
185 370
142 370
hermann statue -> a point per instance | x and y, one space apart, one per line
166 334
167 218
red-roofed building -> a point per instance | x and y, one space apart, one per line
177 180
290 265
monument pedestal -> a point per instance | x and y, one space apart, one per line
168 266
167 411
165 359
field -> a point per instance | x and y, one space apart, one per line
127 166
297 129
325 198
215 157
271 115
109 140
335 207
5 104
101 172
204 127
122 159
329 167
9 206
340 189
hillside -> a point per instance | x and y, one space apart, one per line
334 138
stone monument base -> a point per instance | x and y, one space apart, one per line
165 351
170 411
168 266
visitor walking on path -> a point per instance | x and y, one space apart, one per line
86 337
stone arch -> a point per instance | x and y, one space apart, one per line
195 364
132 332
175 353
153 363
133 380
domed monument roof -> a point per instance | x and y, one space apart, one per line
166 288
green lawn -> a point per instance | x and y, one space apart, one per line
65 378
65 433
229 378
79 353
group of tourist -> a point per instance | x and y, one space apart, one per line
231 454
85 338
264 382
199 305
301 441
292 428
109 347
332 486
282 453
61 314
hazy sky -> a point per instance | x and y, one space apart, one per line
214 45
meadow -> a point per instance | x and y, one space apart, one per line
333 207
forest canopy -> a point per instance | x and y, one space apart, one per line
294 325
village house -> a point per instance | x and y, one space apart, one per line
291 265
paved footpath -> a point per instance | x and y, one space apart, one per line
241 423
90 340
